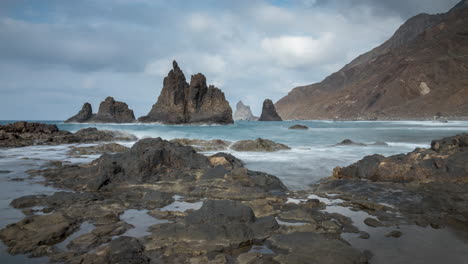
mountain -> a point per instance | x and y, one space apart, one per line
181 103
420 71
243 112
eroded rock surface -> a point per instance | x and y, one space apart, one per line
269 112
110 111
22 134
259 144
243 113
180 102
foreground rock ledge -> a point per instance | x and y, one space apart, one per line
21 134
240 209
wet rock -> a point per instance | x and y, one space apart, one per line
84 115
445 162
299 127
259 144
122 250
373 222
110 111
31 233
201 145
5 171
254 258
218 223
99 149
308 247
226 160
97 237
243 113
22 134
269 112
349 142
27 201
364 235
394 233
180 102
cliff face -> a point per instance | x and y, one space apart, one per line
243 112
180 102
421 70
110 111
269 112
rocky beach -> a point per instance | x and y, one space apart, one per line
128 200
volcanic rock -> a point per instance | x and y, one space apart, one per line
204 145
84 115
444 162
22 134
110 111
259 144
269 112
244 113
300 127
181 103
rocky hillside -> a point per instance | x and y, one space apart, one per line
420 71
181 102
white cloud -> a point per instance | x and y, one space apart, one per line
294 51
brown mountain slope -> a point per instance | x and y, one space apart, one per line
421 70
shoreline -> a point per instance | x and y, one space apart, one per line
329 209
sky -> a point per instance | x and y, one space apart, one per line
55 55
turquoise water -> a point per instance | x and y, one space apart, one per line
313 155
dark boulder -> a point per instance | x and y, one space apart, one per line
259 144
180 102
299 127
269 112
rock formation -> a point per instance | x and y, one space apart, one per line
419 71
182 103
258 145
84 115
22 134
110 111
444 162
244 113
269 112
299 127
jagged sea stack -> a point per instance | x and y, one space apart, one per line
269 112
84 115
244 113
183 103
110 111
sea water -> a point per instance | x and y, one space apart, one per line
313 156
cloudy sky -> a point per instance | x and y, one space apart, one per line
56 55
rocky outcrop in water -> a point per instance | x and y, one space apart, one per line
22 134
243 113
110 111
258 145
84 115
182 103
404 78
269 112
299 127
444 162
